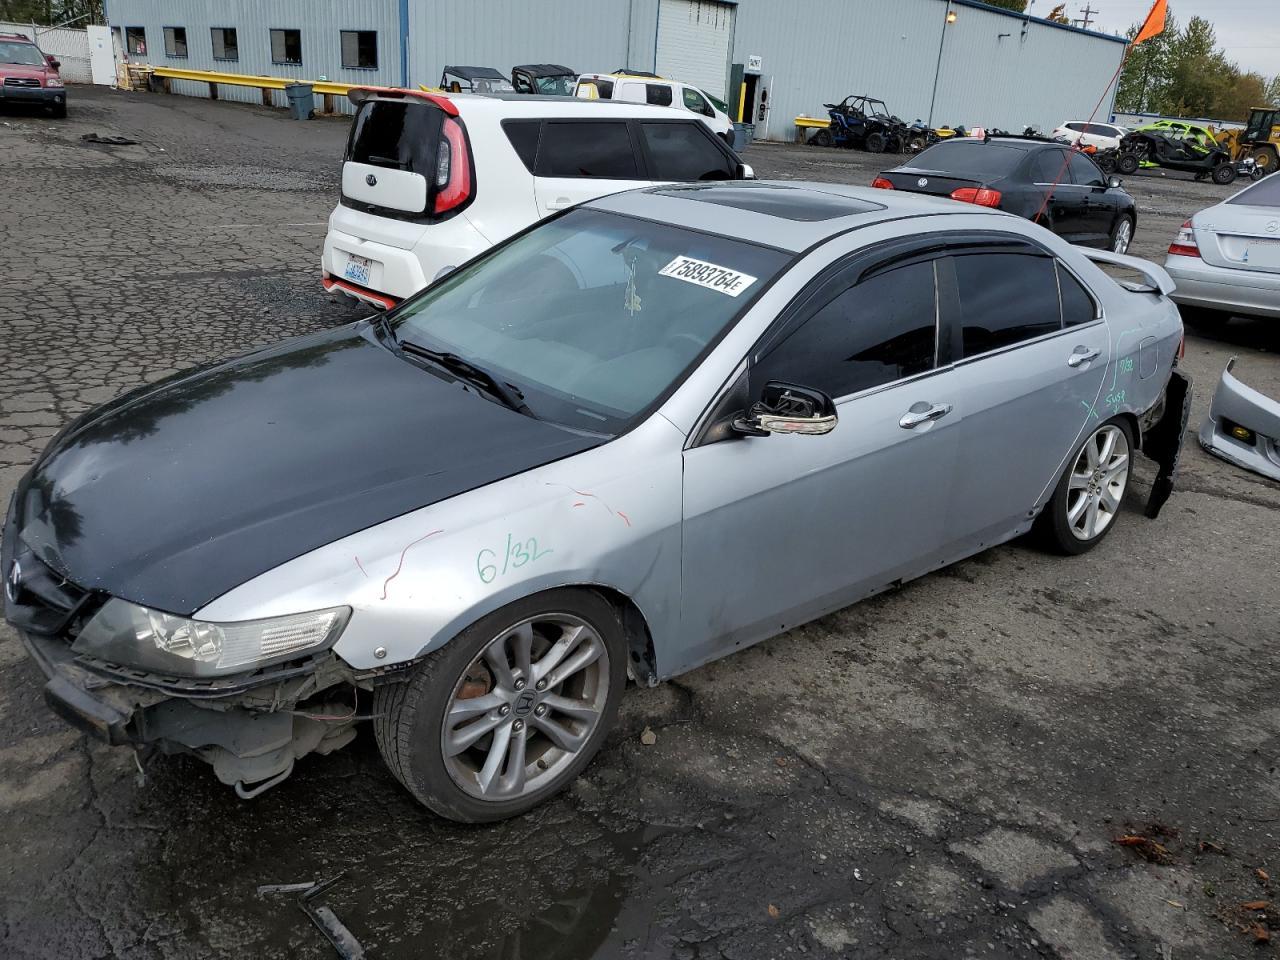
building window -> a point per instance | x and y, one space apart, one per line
360 49
286 46
175 41
135 41
224 43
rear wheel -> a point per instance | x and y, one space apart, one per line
1087 500
917 142
822 138
510 711
59 111
875 142
1224 173
1122 234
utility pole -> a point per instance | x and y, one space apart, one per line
947 18
1088 12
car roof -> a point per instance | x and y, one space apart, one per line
542 105
19 37
789 215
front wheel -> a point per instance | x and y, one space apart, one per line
875 142
1223 174
1127 163
1122 234
1087 500
510 711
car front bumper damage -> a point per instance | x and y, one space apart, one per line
1243 426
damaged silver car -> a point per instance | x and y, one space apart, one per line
1243 426
639 436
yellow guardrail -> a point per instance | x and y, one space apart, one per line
820 122
322 88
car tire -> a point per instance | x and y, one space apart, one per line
1086 501
875 142
59 112
577 709
1127 163
822 138
1122 234
1224 173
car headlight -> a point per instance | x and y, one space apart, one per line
53 82
137 636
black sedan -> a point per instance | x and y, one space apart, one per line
1015 174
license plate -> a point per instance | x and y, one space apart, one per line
357 269
1263 253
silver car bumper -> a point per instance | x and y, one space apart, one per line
1243 426
1200 284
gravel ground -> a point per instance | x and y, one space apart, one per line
939 772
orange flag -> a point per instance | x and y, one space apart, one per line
1153 26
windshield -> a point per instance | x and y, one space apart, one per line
25 53
556 86
718 104
592 316
485 85
970 159
877 108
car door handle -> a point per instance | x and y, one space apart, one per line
913 418
1083 355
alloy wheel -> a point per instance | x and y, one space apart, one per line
1098 480
1123 237
525 706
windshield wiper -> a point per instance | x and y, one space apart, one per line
478 376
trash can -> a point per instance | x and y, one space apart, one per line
743 133
302 102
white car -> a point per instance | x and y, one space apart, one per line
431 180
1104 136
659 92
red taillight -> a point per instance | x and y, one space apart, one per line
453 167
1184 244
982 196
1182 346
880 183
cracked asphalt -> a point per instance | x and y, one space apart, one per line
939 772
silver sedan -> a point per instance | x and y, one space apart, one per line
639 436
1226 259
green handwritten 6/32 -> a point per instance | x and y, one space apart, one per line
516 555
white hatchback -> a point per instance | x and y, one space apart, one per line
431 180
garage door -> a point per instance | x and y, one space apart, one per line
695 38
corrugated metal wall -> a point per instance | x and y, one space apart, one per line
320 22
1041 75
997 70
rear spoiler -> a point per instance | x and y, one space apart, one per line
359 95
1158 281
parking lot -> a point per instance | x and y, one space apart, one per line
942 771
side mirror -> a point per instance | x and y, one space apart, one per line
745 172
53 61
1113 183
787 408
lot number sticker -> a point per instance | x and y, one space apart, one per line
708 275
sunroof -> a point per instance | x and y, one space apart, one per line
789 203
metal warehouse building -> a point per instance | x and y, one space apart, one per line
977 65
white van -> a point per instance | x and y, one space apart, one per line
659 92
429 180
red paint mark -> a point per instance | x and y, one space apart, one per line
592 496
625 518
361 566
400 565
579 504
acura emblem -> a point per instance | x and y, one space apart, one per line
922 182
370 179
13 582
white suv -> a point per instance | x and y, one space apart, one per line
1104 136
431 180
659 92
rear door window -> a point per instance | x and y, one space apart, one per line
575 148
1005 299
878 331
680 150
657 94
